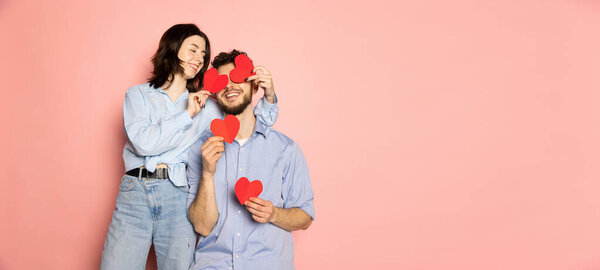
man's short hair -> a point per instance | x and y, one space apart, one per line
224 58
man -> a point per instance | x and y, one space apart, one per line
256 235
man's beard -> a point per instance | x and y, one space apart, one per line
235 110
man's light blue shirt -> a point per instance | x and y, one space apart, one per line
237 241
159 130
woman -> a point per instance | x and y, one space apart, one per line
162 118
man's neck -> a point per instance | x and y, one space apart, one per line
177 87
247 122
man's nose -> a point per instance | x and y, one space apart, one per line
229 83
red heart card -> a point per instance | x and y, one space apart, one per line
243 69
227 128
213 82
245 189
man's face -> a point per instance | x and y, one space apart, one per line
235 97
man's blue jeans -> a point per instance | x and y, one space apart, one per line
149 211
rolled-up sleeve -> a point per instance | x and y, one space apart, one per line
297 189
266 112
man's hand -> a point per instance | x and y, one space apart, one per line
262 211
264 81
196 101
212 151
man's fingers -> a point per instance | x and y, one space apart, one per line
262 81
213 139
262 69
252 205
209 145
258 201
259 219
217 149
213 149
212 157
260 205
257 76
257 213
264 84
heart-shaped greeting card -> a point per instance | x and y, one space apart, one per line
243 69
213 82
227 128
245 189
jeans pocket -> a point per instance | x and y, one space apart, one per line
127 183
185 188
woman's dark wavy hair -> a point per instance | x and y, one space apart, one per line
166 62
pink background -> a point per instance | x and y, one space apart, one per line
457 134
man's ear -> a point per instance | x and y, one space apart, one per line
254 88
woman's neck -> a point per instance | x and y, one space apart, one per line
178 86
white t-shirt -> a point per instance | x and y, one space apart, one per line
242 141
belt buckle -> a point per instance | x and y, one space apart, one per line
147 172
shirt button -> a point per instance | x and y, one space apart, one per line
241 169
236 256
239 211
238 234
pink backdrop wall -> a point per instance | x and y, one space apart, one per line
457 134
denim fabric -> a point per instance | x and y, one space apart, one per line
149 211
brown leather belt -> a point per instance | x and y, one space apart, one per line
159 173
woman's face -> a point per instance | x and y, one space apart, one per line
191 53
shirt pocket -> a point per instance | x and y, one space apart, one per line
271 179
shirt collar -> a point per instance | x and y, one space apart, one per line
183 96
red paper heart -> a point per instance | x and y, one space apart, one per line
213 82
243 61
245 189
227 128
243 69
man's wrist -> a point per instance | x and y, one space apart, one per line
275 216
207 175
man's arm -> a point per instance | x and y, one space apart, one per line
289 219
298 210
203 210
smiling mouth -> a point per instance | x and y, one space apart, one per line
231 95
194 67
